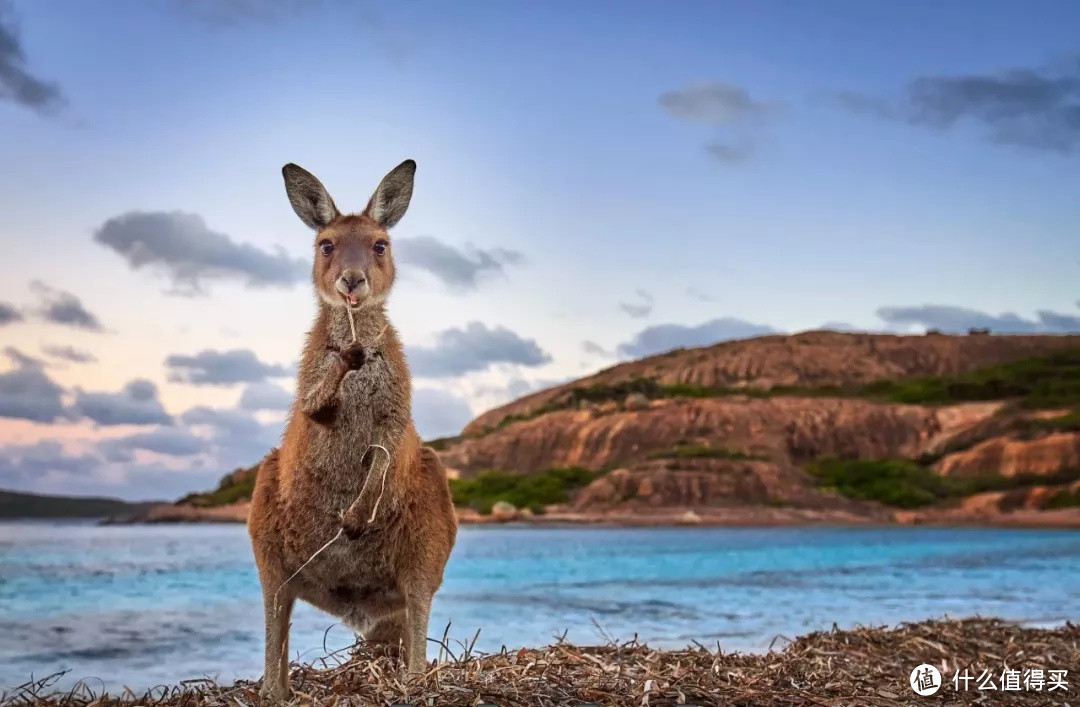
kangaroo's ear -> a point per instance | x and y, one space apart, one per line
308 197
391 199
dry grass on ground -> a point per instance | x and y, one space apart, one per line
858 667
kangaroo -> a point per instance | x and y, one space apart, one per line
351 513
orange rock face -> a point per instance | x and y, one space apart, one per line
707 486
783 430
750 448
1011 457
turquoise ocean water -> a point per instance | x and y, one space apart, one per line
145 605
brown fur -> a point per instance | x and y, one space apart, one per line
380 577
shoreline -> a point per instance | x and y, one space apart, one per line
856 666
752 517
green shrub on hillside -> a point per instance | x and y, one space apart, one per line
894 482
692 390
1039 382
701 451
1064 499
1069 422
511 419
533 491
907 484
223 496
441 443
596 393
603 392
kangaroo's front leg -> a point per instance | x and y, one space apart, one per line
323 398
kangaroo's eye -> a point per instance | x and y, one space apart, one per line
380 247
326 247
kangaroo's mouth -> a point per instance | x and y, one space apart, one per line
356 296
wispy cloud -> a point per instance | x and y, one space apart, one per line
594 349
728 109
182 247
640 309
714 103
265 396
700 295
238 438
27 393
17 84
9 314
172 441
64 308
840 326
1033 108
136 404
26 465
664 337
725 152
459 269
948 318
211 367
69 353
474 348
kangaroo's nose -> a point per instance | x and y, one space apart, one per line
351 279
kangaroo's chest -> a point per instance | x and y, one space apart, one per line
341 452
367 411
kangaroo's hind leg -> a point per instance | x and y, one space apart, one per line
418 614
277 608
389 635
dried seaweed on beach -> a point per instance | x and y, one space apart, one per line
864 666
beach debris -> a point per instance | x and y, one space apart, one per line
862 666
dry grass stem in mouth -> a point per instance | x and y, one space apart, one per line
863 666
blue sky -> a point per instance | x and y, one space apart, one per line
595 182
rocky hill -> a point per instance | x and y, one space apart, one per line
813 359
812 427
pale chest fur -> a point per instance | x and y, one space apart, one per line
373 406
366 415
